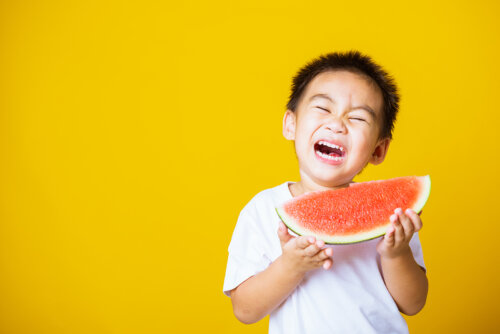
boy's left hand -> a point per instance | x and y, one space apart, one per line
397 238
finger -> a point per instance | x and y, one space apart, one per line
398 231
389 235
327 264
328 251
406 223
311 250
415 218
324 254
304 241
283 234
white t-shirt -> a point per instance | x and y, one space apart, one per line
350 297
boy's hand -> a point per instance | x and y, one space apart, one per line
303 253
397 238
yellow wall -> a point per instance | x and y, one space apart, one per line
132 134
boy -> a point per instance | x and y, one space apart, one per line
340 116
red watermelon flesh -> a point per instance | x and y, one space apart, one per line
357 213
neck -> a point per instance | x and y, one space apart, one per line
305 185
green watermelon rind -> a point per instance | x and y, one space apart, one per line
358 237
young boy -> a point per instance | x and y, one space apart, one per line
340 116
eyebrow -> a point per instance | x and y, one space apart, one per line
363 106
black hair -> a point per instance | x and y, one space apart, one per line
355 62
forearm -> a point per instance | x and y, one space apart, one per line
406 281
261 294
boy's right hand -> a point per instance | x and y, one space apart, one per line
303 253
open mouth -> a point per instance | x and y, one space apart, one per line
329 151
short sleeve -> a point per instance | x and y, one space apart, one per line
248 254
416 249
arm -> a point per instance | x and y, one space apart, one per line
261 294
405 279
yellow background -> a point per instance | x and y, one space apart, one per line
132 134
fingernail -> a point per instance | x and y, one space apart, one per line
399 210
311 240
393 218
409 211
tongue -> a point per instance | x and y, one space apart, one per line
333 152
330 151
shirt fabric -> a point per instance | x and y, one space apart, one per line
350 297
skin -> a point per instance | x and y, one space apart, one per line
357 130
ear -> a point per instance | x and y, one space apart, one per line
380 151
289 123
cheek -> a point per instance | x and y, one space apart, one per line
363 141
304 133
301 146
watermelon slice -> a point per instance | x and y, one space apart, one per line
357 213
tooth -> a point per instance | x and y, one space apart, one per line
322 142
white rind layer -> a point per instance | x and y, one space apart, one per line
426 190
359 237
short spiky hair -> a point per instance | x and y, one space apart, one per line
355 62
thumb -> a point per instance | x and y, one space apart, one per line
283 233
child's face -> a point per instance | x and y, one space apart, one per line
335 108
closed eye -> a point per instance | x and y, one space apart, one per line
323 109
358 119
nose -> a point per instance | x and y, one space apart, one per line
336 125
